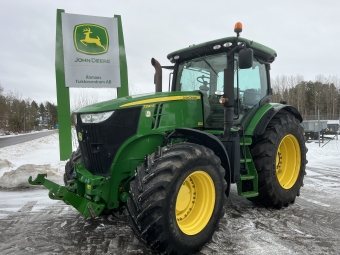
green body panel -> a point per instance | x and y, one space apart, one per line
214 131
143 99
129 156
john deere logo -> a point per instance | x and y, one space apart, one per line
91 39
80 136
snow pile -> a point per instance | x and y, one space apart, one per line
38 156
19 176
5 164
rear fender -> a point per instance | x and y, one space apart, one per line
261 119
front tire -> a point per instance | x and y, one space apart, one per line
280 159
177 198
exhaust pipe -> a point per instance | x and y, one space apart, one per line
158 75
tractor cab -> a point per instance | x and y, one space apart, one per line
207 76
202 68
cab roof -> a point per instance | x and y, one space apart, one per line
262 52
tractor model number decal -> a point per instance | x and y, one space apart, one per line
191 97
149 105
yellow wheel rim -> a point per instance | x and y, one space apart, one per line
288 161
195 202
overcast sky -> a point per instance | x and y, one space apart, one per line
305 35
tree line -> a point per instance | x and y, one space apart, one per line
323 94
24 115
308 97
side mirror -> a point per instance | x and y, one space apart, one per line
245 58
219 93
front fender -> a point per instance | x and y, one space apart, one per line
133 151
211 142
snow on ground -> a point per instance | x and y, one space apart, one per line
34 224
324 156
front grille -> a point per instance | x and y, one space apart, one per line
101 141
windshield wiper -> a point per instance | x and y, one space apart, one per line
207 63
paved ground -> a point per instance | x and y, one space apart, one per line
12 140
30 223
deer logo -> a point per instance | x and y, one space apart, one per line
91 39
88 39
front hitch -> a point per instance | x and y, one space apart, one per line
58 192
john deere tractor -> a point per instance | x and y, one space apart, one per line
171 157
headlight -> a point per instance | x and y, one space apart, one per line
95 117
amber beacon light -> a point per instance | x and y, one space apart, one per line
238 28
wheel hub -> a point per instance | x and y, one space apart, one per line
195 202
288 161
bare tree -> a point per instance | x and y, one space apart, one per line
300 95
112 93
83 97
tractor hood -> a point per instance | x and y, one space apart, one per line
139 100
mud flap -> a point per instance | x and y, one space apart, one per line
57 192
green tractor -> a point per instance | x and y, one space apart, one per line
171 157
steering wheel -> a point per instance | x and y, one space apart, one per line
200 79
204 88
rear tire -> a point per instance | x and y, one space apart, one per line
69 167
280 159
177 198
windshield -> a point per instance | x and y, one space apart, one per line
196 74
207 76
